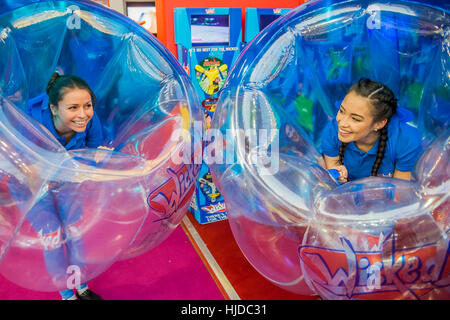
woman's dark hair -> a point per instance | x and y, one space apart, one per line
384 106
58 86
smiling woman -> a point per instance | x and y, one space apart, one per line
67 111
69 202
73 113
297 226
367 133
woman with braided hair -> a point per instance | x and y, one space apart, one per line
367 137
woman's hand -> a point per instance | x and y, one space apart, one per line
343 178
105 148
100 156
333 163
405 175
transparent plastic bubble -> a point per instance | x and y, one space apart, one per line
373 239
66 216
376 238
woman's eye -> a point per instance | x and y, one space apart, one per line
357 119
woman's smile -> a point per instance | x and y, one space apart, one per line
81 124
73 113
343 133
355 120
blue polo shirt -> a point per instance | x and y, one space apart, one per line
403 148
92 137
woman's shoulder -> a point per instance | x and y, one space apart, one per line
402 128
403 136
37 104
329 140
331 124
330 130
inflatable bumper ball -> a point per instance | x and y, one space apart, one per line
66 216
374 238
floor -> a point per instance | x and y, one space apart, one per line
196 262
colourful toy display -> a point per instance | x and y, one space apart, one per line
112 204
208 42
211 74
374 238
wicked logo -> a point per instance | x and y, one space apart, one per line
382 271
175 192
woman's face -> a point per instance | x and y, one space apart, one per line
356 121
74 111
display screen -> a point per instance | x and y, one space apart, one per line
210 30
143 13
266 19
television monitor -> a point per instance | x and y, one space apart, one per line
266 19
210 30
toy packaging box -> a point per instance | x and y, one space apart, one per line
207 203
208 41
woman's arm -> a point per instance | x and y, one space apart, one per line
405 175
331 162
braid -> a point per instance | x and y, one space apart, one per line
386 106
341 152
380 152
